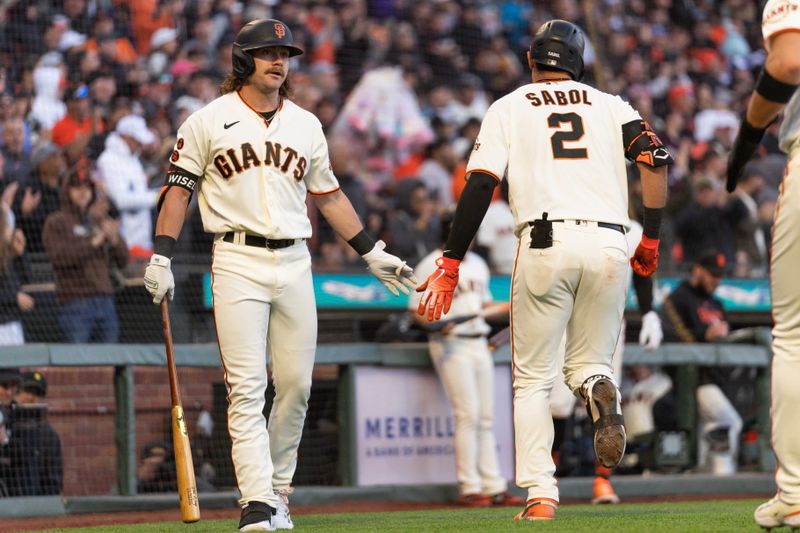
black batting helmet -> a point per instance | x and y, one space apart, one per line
258 34
559 44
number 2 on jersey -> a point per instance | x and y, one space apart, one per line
558 139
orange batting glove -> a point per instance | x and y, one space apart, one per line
645 260
439 289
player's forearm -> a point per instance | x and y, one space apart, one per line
471 209
339 212
654 185
173 212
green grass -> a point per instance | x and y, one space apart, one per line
700 517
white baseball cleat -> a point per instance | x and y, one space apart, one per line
282 518
777 513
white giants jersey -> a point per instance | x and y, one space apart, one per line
780 16
560 146
470 295
255 174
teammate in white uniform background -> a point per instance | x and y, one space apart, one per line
562 145
253 156
461 357
496 235
775 89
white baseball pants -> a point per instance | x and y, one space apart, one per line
466 370
785 288
579 286
264 298
715 411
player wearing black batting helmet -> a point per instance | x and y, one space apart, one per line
559 44
260 34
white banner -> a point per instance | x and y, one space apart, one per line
405 427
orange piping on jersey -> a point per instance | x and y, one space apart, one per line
254 110
324 193
492 174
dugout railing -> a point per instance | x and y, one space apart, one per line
751 350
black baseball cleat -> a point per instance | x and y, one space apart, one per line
602 403
257 516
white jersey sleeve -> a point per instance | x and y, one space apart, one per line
319 178
780 16
491 149
625 112
191 146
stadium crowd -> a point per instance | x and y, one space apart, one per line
93 91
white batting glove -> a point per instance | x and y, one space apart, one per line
158 278
651 334
390 270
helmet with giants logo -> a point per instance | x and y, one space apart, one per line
559 44
259 34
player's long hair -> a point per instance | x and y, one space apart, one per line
234 83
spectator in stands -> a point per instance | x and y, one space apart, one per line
156 470
691 313
83 245
125 180
18 163
38 194
707 222
73 131
436 171
13 300
37 467
10 380
412 227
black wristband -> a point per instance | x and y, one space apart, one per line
652 222
362 243
774 90
163 245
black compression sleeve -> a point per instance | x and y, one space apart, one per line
652 222
644 292
163 245
471 209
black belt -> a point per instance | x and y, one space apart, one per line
469 335
618 227
261 242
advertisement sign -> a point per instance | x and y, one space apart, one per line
404 426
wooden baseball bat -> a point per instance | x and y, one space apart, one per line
187 487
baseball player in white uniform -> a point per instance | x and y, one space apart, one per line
562 145
776 91
253 156
461 357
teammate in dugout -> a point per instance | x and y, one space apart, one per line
776 91
460 354
253 156
562 145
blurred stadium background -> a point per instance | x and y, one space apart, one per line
400 87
